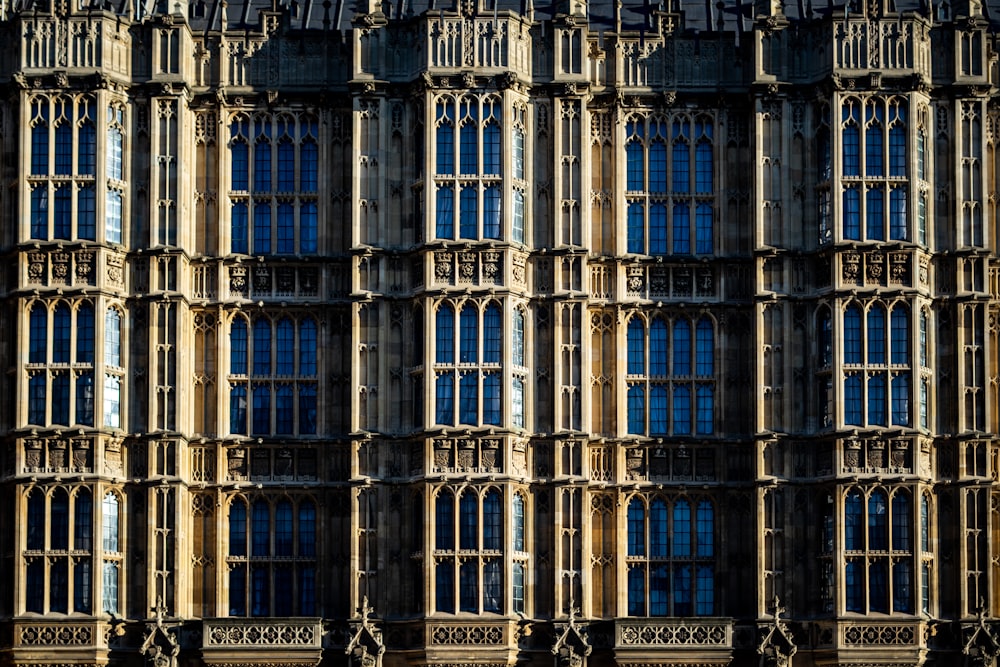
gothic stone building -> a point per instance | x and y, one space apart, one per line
492 334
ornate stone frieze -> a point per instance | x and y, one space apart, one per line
674 633
61 634
219 632
465 455
479 634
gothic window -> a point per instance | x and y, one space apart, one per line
477 185
272 557
659 216
879 379
59 550
878 546
111 573
670 557
64 208
880 197
272 380
475 570
478 367
61 364
268 157
664 396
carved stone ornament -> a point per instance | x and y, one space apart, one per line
442 266
851 266
36 266
238 280
366 646
776 647
116 270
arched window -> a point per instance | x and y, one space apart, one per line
238 347
876 335
307 348
262 346
850 139
636 528
238 529
445 339
444 522
109 512
517 343
853 526
636 347
83 511
239 228
38 334
468 521
113 337
283 529
492 521
445 140
469 335
874 148
634 157
61 327
852 335
878 535
518 523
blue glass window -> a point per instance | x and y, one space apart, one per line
36 399
682 529
445 213
109 600
703 229
876 400
40 149
444 536
897 150
85 334
82 520
492 333
517 592
705 591
307 410
307 348
636 592
38 334
262 229
900 326
260 529
286 166
307 529
239 228
61 327
706 410
492 586
260 597
901 400
86 213
706 529
238 529
85 398
308 241
636 223
852 335
681 156
491 148
241 166
853 530
517 402
703 165
634 158
852 400
469 335
682 347
876 335
261 410
445 391
286 347
897 214
682 229
283 409
237 591
62 212
468 582
445 340
491 399
657 229
682 410
658 359
874 156
468 513
878 536
854 580
445 142
238 410
64 149
238 347
286 229
468 206
636 410
518 528
704 348
491 212
492 521
852 214
262 167
850 138
283 530
60 399
309 166
40 212
468 149
59 520
444 599
636 347
658 411
262 346
81 586
658 166
109 513
636 528
519 153
468 400
875 215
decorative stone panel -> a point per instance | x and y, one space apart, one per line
468 455
467 634
878 455
257 633
670 632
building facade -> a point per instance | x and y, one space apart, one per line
625 334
